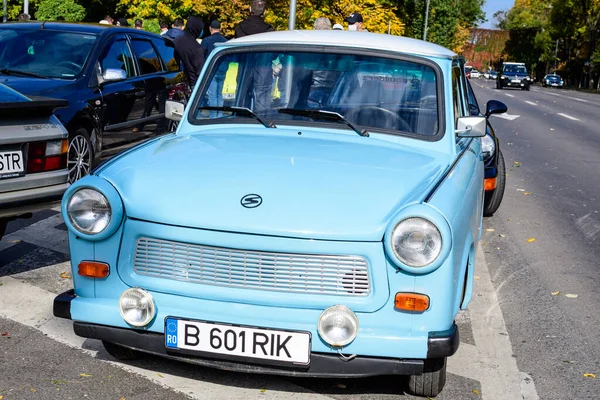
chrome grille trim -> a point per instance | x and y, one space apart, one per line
346 275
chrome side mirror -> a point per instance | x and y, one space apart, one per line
471 126
174 110
113 75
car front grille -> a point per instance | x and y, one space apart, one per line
295 273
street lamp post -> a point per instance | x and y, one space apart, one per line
4 18
555 55
426 18
292 20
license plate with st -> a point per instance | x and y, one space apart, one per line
11 163
227 341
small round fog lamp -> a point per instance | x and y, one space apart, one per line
338 326
136 307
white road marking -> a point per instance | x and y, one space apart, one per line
509 117
568 116
509 95
575 98
531 102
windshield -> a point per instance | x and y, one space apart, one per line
50 54
372 92
516 69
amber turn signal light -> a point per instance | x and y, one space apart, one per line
412 302
489 184
93 269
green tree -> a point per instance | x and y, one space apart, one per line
50 9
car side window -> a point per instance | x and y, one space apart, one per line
473 105
149 61
167 53
118 56
458 94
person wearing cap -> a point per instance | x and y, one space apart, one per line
355 22
122 22
215 88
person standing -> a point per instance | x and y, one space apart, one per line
108 20
138 24
255 23
190 51
164 27
176 29
260 84
322 23
355 22
215 88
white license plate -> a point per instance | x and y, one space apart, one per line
238 341
515 81
11 162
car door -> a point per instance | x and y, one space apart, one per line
151 69
123 92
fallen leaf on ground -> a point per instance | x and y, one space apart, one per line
501 235
530 240
555 293
490 229
15 241
520 190
476 392
476 277
572 296
65 275
160 375
33 390
85 375
1 397
526 193
5 334
341 386
517 163
263 390
589 375
122 398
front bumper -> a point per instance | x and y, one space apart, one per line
439 345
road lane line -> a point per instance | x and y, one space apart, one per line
497 368
509 117
575 98
531 102
569 117
509 95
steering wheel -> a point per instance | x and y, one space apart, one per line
70 64
392 120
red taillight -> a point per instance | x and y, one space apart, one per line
38 159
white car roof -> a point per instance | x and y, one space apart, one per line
367 40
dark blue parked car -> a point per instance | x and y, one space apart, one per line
115 79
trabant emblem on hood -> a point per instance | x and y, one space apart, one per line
251 201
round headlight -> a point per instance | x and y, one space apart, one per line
136 307
338 326
416 242
488 146
89 211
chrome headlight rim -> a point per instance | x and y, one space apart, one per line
349 314
107 190
100 198
427 212
151 312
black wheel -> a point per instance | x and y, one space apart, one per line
3 224
80 155
431 382
122 353
492 199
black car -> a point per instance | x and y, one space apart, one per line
513 75
115 79
495 169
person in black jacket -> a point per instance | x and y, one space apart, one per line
255 22
190 51
261 81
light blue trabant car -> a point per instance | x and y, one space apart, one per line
319 220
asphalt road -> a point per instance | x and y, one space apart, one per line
552 150
518 340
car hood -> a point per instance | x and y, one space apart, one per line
316 185
56 88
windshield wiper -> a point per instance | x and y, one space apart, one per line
243 111
323 115
17 72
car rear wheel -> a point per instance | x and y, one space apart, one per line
431 382
122 353
493 198
80 155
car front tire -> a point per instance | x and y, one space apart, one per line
493 198
431 382
80 155
122 353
